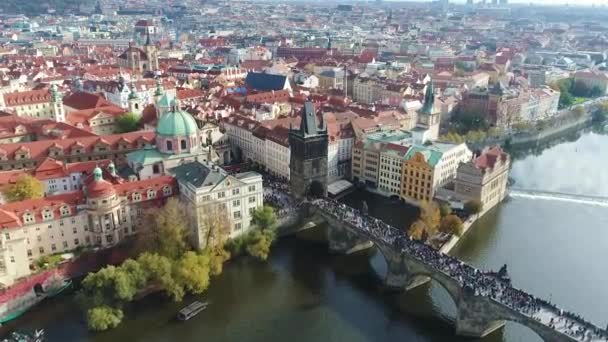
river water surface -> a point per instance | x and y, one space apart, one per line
555 249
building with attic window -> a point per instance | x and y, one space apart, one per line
100 215
40 104
207 190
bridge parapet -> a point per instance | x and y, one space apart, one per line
484 300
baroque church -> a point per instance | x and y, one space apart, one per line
179 140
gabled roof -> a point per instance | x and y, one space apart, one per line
82 100
263 81
27 97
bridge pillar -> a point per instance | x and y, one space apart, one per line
474 318
342 241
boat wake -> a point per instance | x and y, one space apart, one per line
600 201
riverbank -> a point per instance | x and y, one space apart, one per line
466 227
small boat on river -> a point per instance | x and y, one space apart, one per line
191 310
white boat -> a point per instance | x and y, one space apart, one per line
191 310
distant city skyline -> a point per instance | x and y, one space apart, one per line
538 2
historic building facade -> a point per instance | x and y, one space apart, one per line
308 159
484 178
211 195
100 215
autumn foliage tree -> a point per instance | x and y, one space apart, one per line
26 187
451 224
164 231
428 221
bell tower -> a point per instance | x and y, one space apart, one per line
428 116
308 161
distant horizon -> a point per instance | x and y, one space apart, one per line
536 2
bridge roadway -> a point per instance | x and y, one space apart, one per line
484 301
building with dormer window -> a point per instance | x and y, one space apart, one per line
100 215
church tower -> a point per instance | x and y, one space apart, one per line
428 116
308 161
151 53
135 105
57 110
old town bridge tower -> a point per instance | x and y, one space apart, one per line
308 161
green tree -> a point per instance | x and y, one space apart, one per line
264 218
451 224
128 122
445 209
160 271
26 187
164 231
103 317
473 207
259 244
192 271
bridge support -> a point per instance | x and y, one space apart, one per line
342 241
474 318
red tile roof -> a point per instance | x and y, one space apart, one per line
488 157
27 97
82 100
11 214
39 150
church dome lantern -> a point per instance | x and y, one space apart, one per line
99 187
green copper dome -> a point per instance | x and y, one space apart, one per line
176 123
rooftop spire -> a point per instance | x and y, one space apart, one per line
429 99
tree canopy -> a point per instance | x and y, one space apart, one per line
26 187
103 317
451 224
473 207
128 122
164 231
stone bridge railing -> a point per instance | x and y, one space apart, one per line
484 301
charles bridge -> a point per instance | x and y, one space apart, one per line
484 300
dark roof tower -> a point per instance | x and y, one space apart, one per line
308 158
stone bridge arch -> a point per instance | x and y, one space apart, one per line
479 316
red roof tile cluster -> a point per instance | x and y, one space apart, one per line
489 157
39 150
82 100
22 98
14 126
269 97
12 214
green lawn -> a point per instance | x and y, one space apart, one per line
579 100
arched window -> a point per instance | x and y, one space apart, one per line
137 106
169 145
183 144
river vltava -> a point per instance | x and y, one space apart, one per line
554 248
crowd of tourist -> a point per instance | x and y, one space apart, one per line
276 193
471 279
